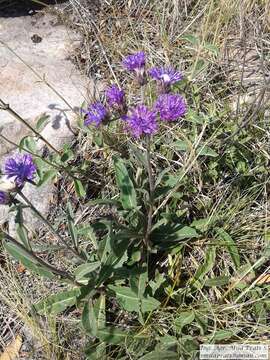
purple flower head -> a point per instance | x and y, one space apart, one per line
95 113
142 121
135 61
4 198
21 168
167 75
170 107
115 96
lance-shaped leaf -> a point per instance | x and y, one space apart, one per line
130 301
125 185
27 260
57 303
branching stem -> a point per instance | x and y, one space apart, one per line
49 225
59 272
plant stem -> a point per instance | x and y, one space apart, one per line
59 237
62 273
151 191
6 107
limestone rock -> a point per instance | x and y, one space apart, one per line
41 47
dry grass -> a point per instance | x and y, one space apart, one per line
223 49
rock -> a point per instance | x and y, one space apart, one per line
22 89
42 47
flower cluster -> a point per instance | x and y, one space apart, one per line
141 120
95 114
166 76
170 107
20 168
17 170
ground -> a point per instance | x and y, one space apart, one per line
215 287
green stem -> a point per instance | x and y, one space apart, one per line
59 237
6 107
59 272
151 191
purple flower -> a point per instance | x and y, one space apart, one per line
142 121
21 168
135 61
95 113
115 96
4 198
167 75
170 107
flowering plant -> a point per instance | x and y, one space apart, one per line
121 248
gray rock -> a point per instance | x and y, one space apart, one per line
42 47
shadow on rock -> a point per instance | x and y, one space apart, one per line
11 8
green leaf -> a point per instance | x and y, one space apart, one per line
46 177
130 301
173 233
213 48
206 151
218 281
80 191
28 143
125 185
182 145
193 39
114 336
89 232
93 316
42 122
67 154
200 65
160 355
230 245
83 270
23 236
185 318
205 267
27 260
57 303
89 320
221 335
71 226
